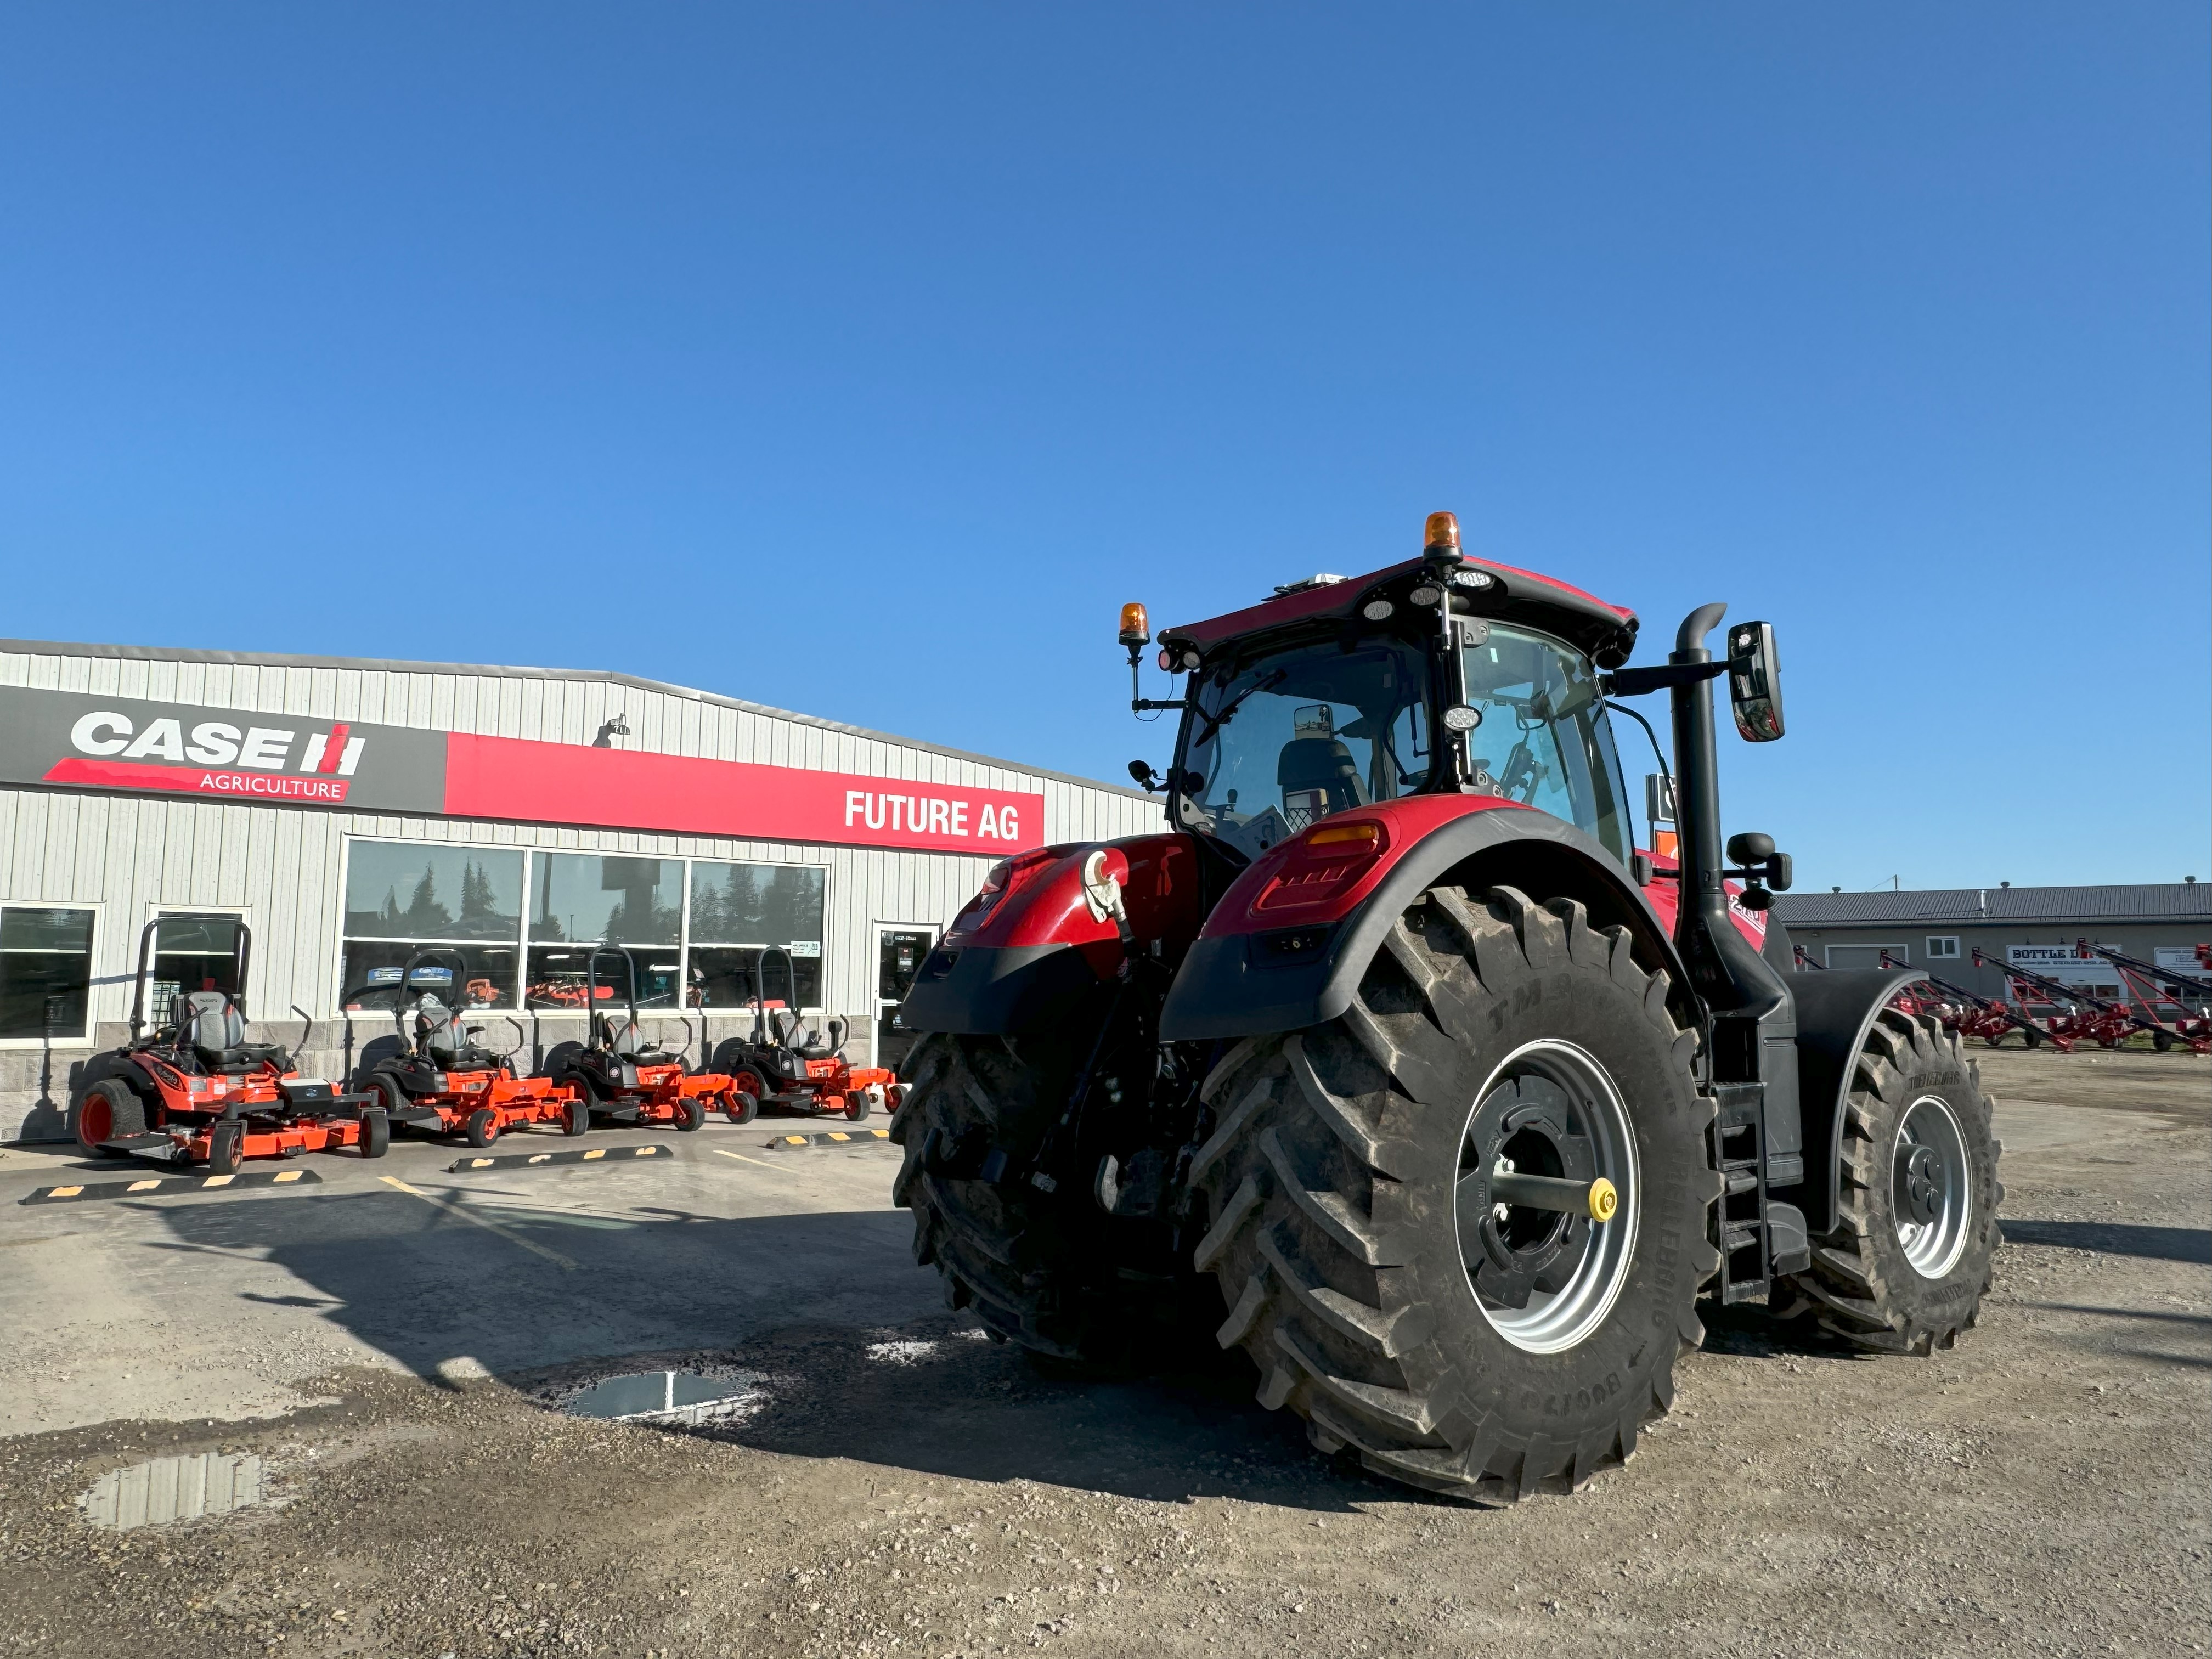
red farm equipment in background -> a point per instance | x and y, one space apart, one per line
194 1091
1973 1016
441 1081
2085 1018
2155 987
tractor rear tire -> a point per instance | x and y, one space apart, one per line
109 1110
1043 1269
689 1113
481 1127
1884 1280
1344 1152
375 1133
226 1148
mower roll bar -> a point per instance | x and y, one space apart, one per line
241 960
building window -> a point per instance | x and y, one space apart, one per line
405 896
1939 949
193 951
737 910
577 899
46 972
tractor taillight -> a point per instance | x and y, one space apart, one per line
1441 534
1347 837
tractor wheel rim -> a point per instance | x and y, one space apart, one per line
1556 1321
1930 1189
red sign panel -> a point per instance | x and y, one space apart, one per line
565 783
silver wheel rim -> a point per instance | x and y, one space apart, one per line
1554 1321
1931 1194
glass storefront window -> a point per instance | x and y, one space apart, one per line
404 895
45 972
739 909
570 978
580 898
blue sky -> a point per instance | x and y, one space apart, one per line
862 359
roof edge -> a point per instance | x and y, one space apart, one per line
494 671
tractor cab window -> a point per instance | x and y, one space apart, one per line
1544 739
1282 740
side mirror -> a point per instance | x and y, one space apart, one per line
1148 780
1755 681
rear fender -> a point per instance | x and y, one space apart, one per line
1836 1010
1262 965
1022 956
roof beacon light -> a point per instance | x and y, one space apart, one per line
1440 538
1136 626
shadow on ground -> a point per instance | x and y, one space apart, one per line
2192 1244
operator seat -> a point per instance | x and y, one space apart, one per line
629 1044
446 1041
1321 766
211 1022
804 1041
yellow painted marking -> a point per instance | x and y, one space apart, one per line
141 1186
599 1152
539 1158
218 1181
780 1169
485 1222
647 1151
71 1192
839 1135
794 1141
289 1175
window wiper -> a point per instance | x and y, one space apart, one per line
1215 722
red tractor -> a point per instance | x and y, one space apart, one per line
1395 1054
790 1064
617 1073
195 1091
441 1082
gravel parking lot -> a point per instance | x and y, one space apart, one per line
389 1342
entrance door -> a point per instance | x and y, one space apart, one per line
900 947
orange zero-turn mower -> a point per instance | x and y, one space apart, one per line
619 1075
789 1063
195 1091
442 1083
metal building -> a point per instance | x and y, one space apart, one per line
353 813
2044 929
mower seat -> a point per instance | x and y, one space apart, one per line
444 1039
211 1022
628 1043
806 1042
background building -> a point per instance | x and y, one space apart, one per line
2041 927
351 813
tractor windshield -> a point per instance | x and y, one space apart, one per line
1279 740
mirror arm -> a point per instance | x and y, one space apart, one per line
1659 676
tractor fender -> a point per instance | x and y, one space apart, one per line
1031 945
1268 964
1835 1012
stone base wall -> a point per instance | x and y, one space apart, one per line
38 1084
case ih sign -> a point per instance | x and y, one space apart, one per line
86 741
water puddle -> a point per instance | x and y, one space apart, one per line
690 1399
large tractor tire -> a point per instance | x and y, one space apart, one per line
1909 1260
1479 1349
1045 1269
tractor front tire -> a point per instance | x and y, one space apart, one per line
1354 1226
1906 1266
109 1110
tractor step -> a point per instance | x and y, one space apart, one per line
1739 1155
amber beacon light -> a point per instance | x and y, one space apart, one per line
1441 534
1136 626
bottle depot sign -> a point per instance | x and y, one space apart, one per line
86 740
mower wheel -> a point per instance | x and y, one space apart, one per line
858 1105
226 1148
576 1116
1454 1339
1907 1264
742 1107
375 1133
483 1127
690 1114
108 1110
387 1091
